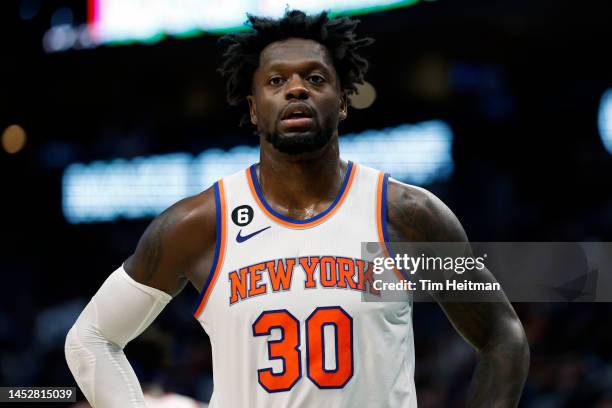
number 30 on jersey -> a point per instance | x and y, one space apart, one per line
288 348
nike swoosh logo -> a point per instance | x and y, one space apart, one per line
241 238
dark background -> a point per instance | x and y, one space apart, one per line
519 82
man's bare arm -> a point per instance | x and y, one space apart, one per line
491 327
176 247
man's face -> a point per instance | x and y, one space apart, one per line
297 102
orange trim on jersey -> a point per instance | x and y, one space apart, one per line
221 237
379 221
329 211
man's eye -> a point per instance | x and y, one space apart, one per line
316 79
275 80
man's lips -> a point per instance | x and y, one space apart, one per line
297 109
297 123
297 116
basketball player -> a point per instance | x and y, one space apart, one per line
275 251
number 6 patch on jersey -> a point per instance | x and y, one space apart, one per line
287 348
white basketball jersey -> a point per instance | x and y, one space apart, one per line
283 303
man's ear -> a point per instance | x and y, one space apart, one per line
252 109
343 106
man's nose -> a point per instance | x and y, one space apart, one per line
296 89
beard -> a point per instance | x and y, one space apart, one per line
300 142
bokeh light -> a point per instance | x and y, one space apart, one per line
365 97
604 120
13 139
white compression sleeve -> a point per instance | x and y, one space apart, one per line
120 310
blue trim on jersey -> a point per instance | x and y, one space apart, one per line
383 220
336 341
293 220
218 217
383 210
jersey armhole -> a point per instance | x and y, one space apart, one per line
381 220
219 249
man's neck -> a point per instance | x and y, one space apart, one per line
300 186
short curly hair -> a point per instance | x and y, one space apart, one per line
241 54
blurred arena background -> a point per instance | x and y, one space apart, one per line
501 108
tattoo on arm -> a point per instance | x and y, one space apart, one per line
492 328
150 250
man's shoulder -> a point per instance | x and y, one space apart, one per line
408 196
174 243
193 212
184 227
408 202
190 224
419 215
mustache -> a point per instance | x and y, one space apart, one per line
297 106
